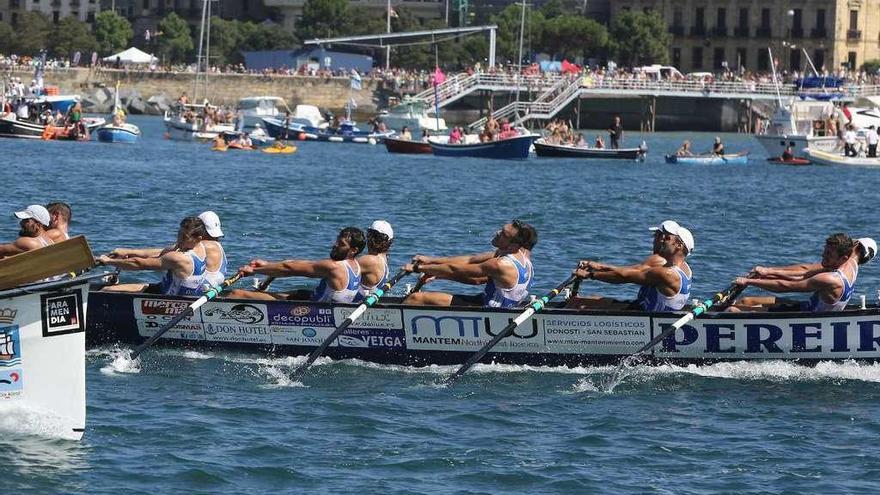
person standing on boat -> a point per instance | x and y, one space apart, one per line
340 274
832 287
506 272
663 288
849 141
615 133
374 264
35 220
59 214
872 139
718 147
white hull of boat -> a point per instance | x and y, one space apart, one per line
825 158
183 131
775 145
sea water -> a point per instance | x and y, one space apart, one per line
222 422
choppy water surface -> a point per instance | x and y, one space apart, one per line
225 423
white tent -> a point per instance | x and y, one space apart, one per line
131 56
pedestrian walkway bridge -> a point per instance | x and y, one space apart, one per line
554 91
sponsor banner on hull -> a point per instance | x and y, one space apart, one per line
62 313
237 332
821 337
300 315
159 307
572 334
468 331
235 313
372 338
304 336
185 330
387 318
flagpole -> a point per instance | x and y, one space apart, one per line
388 30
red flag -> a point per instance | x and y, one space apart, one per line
439 76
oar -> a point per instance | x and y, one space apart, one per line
207 296
533 308
421 283
265 284
369 301
719 300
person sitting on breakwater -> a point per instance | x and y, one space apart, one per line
193 266
506 272
340 274
718 147
832 286
35 219
374 264
663 288
685 149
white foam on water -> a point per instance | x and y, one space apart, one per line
22 419
280 378
121 363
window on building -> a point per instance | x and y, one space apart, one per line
851 60
697 57
721 18
741 58
763 60
819 59
56 16
765 18
744 18
797 20
90 18
14 18
676 57
718 58
146 4
794 60
677 17
700 18
853 20
820 19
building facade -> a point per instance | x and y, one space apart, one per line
291 10
84 10
711 35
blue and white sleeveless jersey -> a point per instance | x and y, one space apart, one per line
194 284
496 297
365 290
651 299
323 292
216 278
817 305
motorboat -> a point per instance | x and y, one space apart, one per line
413 114
253 109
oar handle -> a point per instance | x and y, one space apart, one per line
207 296
533 308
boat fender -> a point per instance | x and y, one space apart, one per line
372 141
311 136
335 139
301 136
359 140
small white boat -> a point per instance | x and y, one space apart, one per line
414 115
184 123
833 158
801 125
253 109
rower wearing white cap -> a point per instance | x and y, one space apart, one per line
35 220
506 272
832 285
864 250
374 264
212 228
663 288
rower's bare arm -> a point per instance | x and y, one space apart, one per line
174 261
10 249
788 272
467 258
132 264
821 281
297 268
462 272
136 253
649 276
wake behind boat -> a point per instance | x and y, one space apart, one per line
543 148
419 335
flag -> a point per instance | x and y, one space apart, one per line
439 76
355 80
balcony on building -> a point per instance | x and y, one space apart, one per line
741 31
698 31
763 32
797 32
719 31
676 30
818 33
853 34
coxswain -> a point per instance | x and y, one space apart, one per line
34 220
787 154
59 214
685 149
340 274
506 272
832 286
664 287
196 263
374 264
718 147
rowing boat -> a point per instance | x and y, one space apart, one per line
414 335
789 161
545 149
515 148
737 159
408 146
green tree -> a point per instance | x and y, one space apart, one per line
637 38
31 33
112 32
870 66
324 19
573 36
509 21
6 37
226 39
72 35
175 42
266 37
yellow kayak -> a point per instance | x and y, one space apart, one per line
283 150
219 148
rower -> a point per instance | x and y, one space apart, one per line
832 286
787 154
374 264
718 147
35 220
188 268
685 149
665 278
213 233
506 272
59 214
340 274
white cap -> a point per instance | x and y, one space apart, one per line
672 227
37 212
383 227
212 223
868 249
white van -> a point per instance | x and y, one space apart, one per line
659 72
